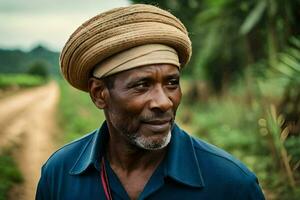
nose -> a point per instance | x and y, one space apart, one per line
160 99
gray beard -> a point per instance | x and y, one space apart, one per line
148 144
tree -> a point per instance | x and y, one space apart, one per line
39 68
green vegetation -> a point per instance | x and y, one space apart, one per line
20 80
39 68
78 115
17 61
250 129
9 173
229 37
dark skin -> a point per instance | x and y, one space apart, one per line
142 102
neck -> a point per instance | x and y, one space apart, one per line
128 158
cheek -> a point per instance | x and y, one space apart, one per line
176 98
126 116
135 105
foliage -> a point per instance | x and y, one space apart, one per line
17 61
78 115
288 69
9 173
230 36
20 80
39 68
288 66
247 130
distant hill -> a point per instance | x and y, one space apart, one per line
17 61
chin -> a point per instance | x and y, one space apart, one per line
154 142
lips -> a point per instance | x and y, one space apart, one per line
160 125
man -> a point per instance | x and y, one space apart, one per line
129 60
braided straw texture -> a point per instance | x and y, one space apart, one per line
117 30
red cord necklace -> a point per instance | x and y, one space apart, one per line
104 180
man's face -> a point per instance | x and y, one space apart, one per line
142 104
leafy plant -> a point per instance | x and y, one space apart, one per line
9 173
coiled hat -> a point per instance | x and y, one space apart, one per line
118 30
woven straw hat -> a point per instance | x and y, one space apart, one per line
117 30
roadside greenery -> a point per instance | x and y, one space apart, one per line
78 115
20 81
9 173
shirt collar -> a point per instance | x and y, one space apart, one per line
181 161
93 151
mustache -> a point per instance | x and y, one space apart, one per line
168 115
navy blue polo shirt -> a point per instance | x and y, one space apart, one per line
191 169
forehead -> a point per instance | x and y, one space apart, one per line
159 70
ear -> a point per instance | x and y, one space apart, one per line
98 92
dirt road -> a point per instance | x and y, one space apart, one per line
27 120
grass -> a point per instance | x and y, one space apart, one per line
20 80
9 173
78 115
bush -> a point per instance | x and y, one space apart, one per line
39 68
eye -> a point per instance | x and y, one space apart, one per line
142 85
173 82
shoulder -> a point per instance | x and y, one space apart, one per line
222 175
218 165
220 170
67 155
219 158
56 178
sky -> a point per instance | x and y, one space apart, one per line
27 23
